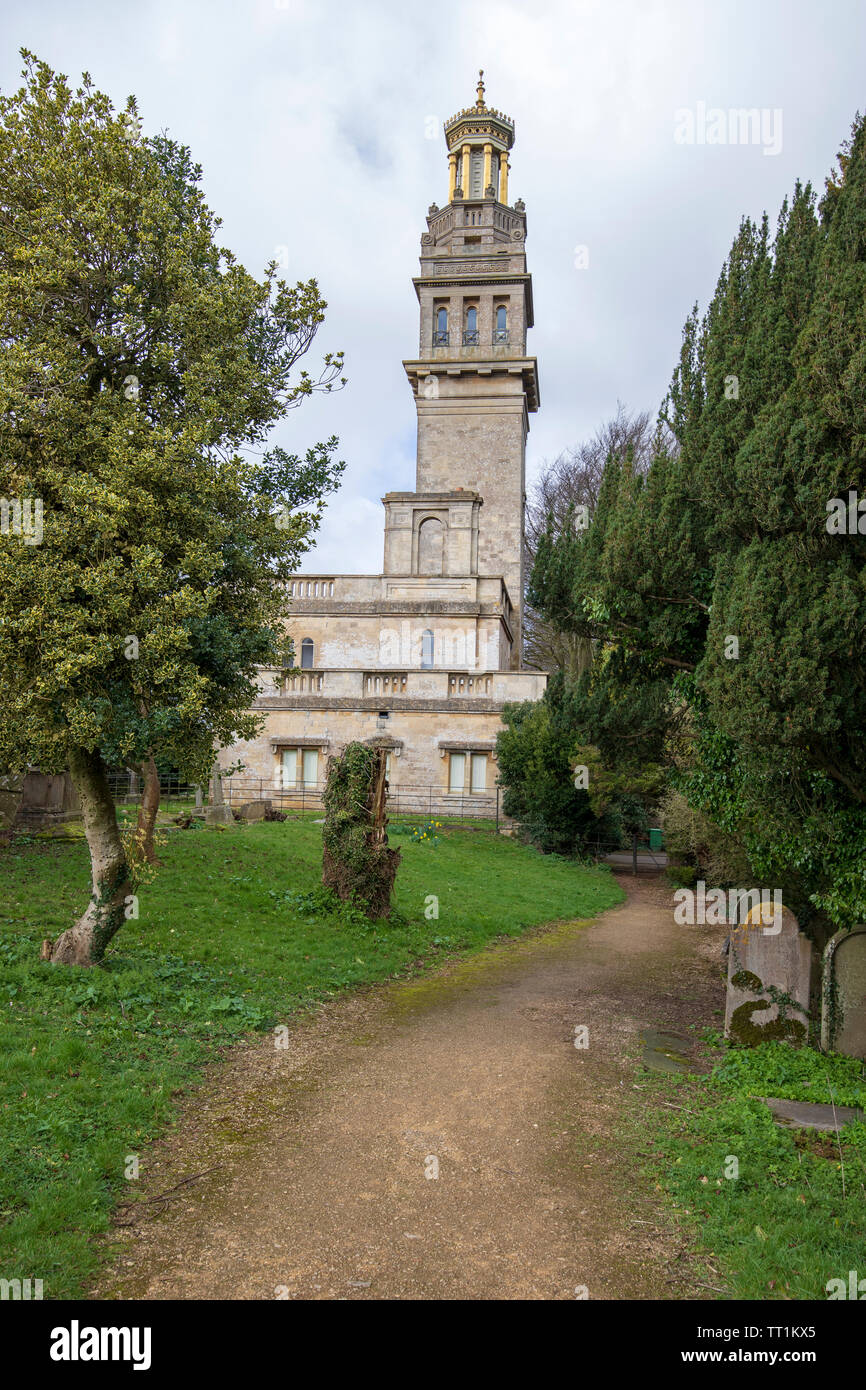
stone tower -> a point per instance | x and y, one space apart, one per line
473 382
422 658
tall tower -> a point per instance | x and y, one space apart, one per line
474 385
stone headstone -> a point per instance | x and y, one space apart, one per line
218 813
254 810
843 1005
770 969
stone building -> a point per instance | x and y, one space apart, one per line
422 657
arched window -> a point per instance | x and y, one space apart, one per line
440 334
501 332
307 654
427 648
471 332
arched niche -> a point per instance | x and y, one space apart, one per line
431 546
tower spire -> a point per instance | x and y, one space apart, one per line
479 105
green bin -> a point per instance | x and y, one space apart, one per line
655 839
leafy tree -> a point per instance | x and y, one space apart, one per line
540 751
565 494
141 370
735 620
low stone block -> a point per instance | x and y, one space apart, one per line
806 1114
219 815
254 810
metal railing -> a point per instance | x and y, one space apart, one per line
632 852
435 802
125 786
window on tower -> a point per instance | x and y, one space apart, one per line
500 333
427 648
307 654
440 332
470 332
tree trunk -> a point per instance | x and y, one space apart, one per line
147 810
85 943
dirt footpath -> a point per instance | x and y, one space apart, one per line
324 1155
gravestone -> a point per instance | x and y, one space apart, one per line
843 1004
770 969
254 810
218 813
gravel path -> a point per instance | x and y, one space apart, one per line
320 1153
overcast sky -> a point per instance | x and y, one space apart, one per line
313 124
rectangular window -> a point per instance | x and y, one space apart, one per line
289 769
457 772
479 772
311 767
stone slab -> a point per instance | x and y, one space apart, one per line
667 1052
806 1114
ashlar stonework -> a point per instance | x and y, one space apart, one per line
422 657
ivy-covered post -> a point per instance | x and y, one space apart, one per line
357 863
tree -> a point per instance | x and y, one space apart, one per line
565 495
558 784
141 370
714 577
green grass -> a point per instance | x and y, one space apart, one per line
788 1223
234 935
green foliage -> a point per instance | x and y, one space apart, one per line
91 1066
792 1219
691 837
426 834
141 370
725 535
542 744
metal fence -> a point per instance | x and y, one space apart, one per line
126 787
634 854
413 800
436 803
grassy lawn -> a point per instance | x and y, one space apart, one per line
234 935
793 1217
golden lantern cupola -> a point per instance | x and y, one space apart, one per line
478 139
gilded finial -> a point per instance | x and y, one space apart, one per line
480 90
